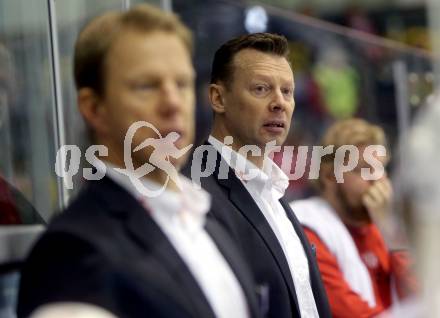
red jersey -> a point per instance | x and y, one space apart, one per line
385 268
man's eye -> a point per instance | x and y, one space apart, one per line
142 86
261 89
288 92
183 84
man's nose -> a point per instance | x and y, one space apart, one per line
278 102
171 98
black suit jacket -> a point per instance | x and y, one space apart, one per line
108 251
240 215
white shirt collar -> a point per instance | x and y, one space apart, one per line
270 178
197 202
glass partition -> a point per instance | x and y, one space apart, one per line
28 135
166 4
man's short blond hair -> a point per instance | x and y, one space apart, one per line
97 37
354 131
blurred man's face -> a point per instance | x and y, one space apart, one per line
149 77
259 100
350 193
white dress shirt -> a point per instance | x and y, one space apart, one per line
267 188
181 216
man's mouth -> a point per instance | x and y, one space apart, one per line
275 126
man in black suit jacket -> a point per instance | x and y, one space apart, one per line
251 94
132 254
104 250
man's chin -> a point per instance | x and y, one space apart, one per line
274 142
361 216
178 163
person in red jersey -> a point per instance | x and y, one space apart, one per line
358 249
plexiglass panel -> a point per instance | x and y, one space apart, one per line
159 3
28 185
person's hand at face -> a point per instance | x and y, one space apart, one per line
378 199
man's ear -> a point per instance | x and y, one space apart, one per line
93 111
216 97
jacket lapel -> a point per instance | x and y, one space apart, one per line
240 269
298 229
315 276
145 231
244 202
